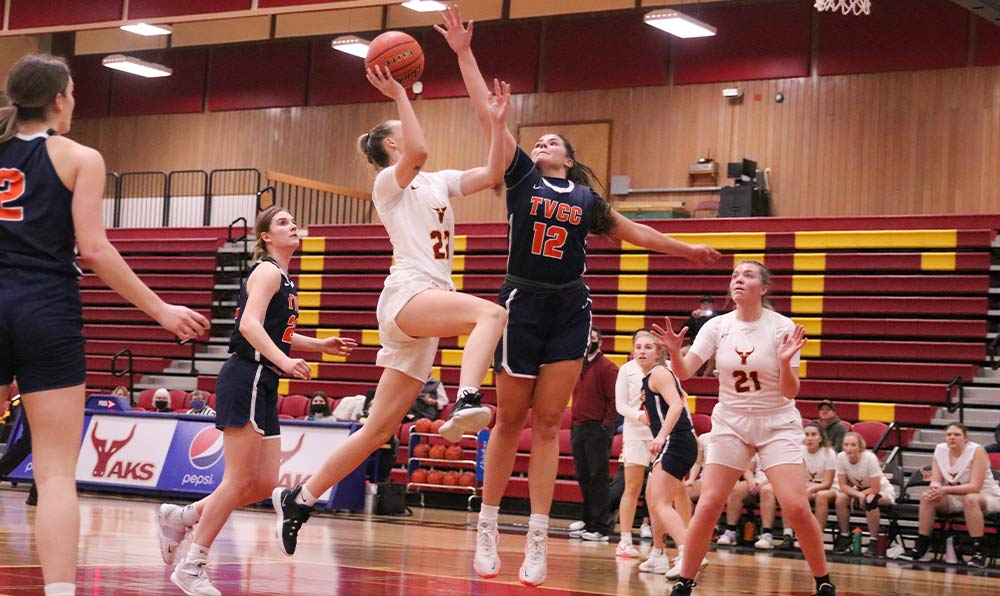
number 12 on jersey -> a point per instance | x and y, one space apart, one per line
548 241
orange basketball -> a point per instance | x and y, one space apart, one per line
419 475
467 479
453 452
437 452
450 479
434 477
398 53
422 426
422 450
436 425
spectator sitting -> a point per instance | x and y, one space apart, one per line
161 401
831 424
700 316
863 487
319 409
122 391
429 402
995 446
199 404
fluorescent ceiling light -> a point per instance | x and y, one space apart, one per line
678 23
147 30
352 45
135 66
425 5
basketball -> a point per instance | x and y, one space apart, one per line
437 452
434 477
453 452
419 475
450 479
422 426
398 53
421 450
467 479
436 425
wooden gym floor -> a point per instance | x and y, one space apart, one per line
427 553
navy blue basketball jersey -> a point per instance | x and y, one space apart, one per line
656 408
548 219
279 320
36 217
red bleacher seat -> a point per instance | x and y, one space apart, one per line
565 445
567 418
994 460
869 431
295 406
524 443
616 448
702 423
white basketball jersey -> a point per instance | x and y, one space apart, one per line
960 472
420 221
817 464
746 357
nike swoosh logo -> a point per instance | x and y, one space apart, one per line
538 187
413 187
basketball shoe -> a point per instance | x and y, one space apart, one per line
192 579
534 567
486 561
291 516
468 416
172 531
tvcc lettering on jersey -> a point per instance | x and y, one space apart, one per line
572 214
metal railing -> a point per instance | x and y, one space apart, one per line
130 371
951 403
246 246
317 203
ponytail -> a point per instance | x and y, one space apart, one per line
372 144
32 85
8 123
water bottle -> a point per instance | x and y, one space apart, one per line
950 556
856 541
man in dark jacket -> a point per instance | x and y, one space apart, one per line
831 424
593 428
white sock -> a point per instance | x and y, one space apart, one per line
190 515
788 532
537 521
626 537
197 553
489 513
467 389
60 589
305 497
655 552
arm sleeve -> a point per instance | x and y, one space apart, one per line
386 192
831 460
705 344
453 181
520 170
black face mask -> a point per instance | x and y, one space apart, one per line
318 409
161 405
593 347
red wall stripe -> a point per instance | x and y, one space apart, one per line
182 92
603 52
91 86
897 35
26 14
987 51
150 9
508 52
266 75
768 41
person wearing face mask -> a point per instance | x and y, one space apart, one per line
594 415
199 404
161 401
319 408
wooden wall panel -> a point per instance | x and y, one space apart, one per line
890 143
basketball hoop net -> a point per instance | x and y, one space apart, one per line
856 7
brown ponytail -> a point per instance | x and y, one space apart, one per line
263 224
372 144
32 86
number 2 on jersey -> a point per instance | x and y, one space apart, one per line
441 239
548 240
743 379
287 337
11 189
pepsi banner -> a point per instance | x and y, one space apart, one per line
163 453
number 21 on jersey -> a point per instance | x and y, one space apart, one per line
442 244
11 189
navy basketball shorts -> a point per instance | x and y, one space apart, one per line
247 391
41 331
679 454
544 325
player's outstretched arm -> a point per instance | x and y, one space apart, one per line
104 259
646 237
491 175
413 145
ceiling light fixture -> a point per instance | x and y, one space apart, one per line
351 44
147 30
425 5
135 66
678 23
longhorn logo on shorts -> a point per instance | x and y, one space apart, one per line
440 211
744 355
287 455
105 449
206 448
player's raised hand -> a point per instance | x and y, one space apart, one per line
183 322
381 80
459 38
791 343
665 335
499 101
